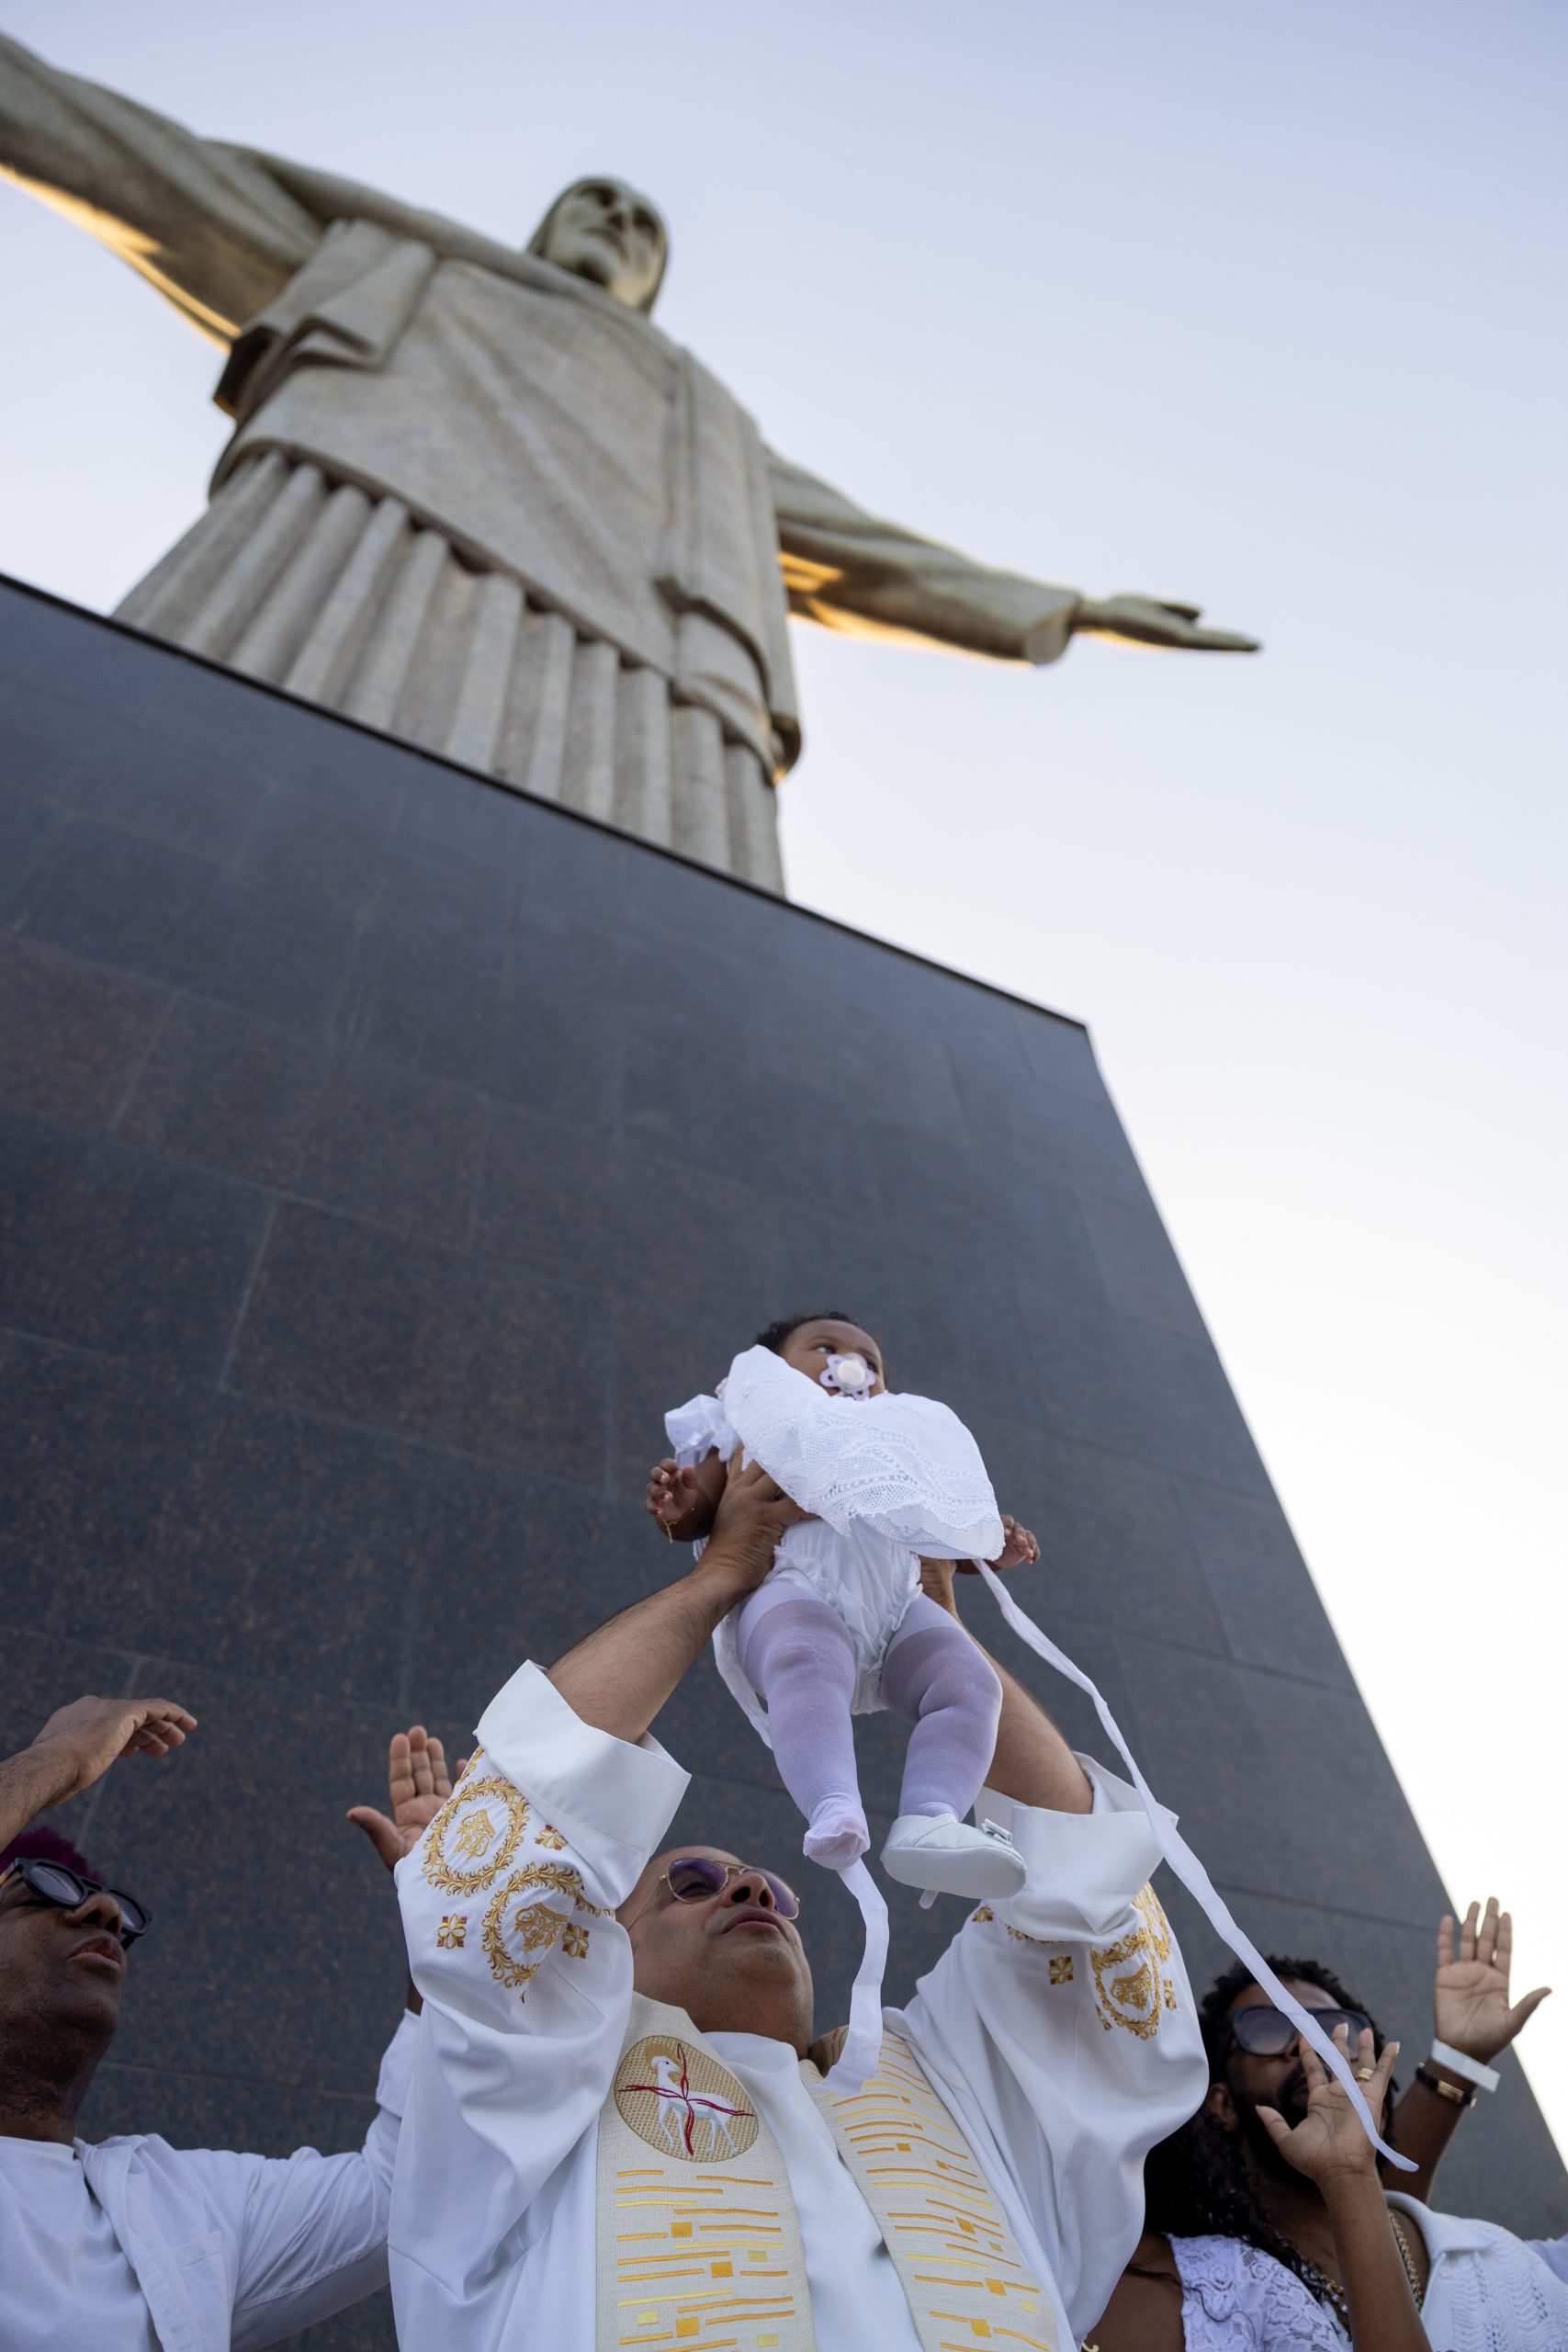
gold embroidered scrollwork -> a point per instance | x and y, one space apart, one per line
475 1834
517 1934
1131 1984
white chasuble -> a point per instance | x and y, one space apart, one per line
581 2167
698 2239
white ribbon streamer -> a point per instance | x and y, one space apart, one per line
862 2053
1190 1871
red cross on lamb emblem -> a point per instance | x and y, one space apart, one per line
664 2071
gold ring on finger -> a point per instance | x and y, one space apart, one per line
1365 2074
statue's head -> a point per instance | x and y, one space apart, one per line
603 231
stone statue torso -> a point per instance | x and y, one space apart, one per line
548 432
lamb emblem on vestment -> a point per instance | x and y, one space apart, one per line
683 2102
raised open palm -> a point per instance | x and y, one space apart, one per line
1469 1992
1329 2138
418 1785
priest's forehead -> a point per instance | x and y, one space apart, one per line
708 1853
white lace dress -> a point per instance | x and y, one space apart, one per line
1487 2292
889 1478
1234 2297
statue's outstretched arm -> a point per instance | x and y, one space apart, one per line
852 572
211 227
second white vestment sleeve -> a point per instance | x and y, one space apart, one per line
1061 2029
508 1905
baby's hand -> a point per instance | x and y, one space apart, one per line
676 1500
1019 1551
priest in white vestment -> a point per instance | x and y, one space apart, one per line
476 498
619 2129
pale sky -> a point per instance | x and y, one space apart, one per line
1253 306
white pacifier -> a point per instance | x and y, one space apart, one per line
850 1376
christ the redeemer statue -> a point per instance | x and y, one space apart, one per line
475 498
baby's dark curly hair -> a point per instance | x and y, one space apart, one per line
1196 2183
777 1333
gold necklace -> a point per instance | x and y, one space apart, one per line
1335 2292
1417 2287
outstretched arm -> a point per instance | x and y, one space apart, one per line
509 1907
619 1678
76 1746
211 227
855 572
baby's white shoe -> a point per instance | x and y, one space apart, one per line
946 1855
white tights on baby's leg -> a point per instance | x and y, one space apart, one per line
797 1652
935 1678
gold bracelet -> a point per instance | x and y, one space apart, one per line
1431 2082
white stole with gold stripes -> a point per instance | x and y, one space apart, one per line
698 2241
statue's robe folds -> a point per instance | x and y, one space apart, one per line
473 501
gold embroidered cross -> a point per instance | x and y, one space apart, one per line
452 1931
575 1940
1062 1968
551 1838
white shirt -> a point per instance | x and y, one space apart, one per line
61 2262
130 2245
855 2295
1485 2292
1058 2092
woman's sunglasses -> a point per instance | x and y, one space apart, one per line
694 1877
1264 2031
67 1890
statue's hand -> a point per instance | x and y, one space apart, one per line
1147 621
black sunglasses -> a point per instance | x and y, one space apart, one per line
68 1890
1264 2031
694 1877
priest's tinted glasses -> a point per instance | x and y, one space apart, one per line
53 1882
692 1878
1264 2031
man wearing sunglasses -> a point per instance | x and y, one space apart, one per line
621 2129
130 2244
1259 2237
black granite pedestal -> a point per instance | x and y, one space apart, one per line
381 1154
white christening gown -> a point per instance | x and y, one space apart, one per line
889 1478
